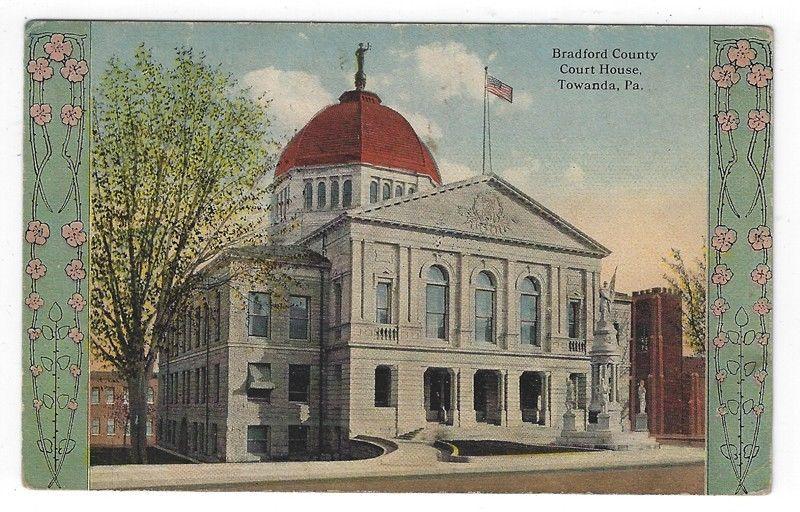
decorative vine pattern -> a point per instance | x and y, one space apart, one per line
740 353
55 340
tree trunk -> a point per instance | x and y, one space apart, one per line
137 389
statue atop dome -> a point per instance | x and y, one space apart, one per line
361 78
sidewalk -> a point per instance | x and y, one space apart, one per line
410 459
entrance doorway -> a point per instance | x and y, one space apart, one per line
438 395
487 396
533 398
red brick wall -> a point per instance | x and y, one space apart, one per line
101 412
675 384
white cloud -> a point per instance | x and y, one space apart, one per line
293 96
452 69
427 129
454 171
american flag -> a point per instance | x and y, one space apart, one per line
499 89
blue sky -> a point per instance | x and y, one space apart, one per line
629 168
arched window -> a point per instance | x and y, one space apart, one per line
308 195
383 386
347 193
321 195
411 190
387 191
436 289
373 192
484 307
398 191
529 312
199 326
334 194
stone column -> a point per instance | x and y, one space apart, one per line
467 395
513 407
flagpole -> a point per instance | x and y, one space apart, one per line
485 93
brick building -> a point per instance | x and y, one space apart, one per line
675 382
109 425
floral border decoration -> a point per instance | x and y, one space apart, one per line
739 350
55 340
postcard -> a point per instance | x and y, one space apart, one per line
397 257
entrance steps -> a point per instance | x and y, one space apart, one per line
526 434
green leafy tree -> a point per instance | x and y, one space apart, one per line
689 278
177 157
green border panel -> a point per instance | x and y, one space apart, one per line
55 262
739 396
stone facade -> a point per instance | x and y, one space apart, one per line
485 347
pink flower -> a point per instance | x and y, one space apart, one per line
720 340
728 121
57 48
75 335
761 274
77 302
37 404
725 76
723 238
34 333
760 376
40 69
719 307
758 410
74 70
36 269
36 370
757 120
741 54
760 238
72 404
759 75
763 339
75 270
41 113
73 233
722 410
75 370
71 114
721 376
762 306
38 232
34 301
722 274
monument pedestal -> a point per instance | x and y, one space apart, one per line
640 422
569 423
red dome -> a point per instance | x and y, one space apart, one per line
359 130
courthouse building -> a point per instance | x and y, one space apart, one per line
407 307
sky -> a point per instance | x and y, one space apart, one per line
629 168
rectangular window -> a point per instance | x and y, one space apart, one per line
528 320
214 435
95 426
258 439
298 440
109 396
578 381
258 314
259 381
110 427
574 318
383 303
298 318
299 382
127 427
484 316
95 396
151 396
194 436
216 383
197 385
383 386
149 427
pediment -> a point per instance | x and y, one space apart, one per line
485 206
